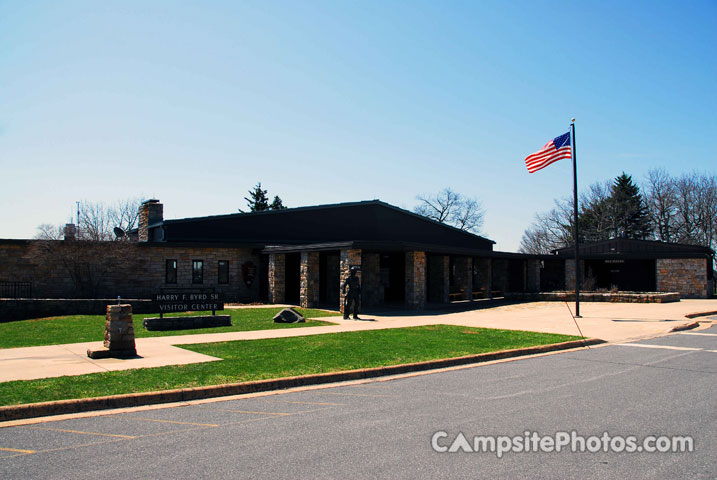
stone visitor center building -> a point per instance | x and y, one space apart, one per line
303 255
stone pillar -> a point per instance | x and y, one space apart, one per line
277 278
482 278
371 288
348 258
464 276
532 276
309 293
119 334
150 212
416 280
439 278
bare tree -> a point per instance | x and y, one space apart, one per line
98 221
95 222
551 230
125 214
48 231
661 198
596 222
453 209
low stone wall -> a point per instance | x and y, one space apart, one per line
618 297
12 309
187 323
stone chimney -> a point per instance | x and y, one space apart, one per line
70 231
150 212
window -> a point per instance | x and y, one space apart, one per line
223 270
170 271
197 271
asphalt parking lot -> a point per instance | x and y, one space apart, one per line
384 428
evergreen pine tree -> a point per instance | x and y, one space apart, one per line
629 216
257 200
277 204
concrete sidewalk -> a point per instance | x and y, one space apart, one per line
613 322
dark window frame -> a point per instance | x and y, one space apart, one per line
223 272
170 273
197 273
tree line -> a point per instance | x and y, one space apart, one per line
672 209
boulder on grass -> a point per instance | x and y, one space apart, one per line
289 315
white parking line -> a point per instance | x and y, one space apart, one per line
666 347
699 333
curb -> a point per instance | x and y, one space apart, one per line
30 410
702 314
685 326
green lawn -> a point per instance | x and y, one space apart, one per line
282 357
88 328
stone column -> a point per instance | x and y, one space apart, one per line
532 276
119 334
348 258
483 278
309 293
277 278
416 280
371 288
439 275
464 276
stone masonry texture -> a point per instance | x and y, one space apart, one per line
687 276
78 269
277 278
416 280
309 288
119 329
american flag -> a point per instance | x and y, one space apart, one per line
556 149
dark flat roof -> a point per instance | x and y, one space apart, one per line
366 221
632 248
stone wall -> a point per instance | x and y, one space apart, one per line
79 269
416 280
688 276
12 309
347 259
309 288
618 297
277 278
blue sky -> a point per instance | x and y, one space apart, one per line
334 101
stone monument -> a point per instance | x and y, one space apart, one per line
119 334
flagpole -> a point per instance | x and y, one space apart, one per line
575 205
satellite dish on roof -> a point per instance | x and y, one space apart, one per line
119 233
